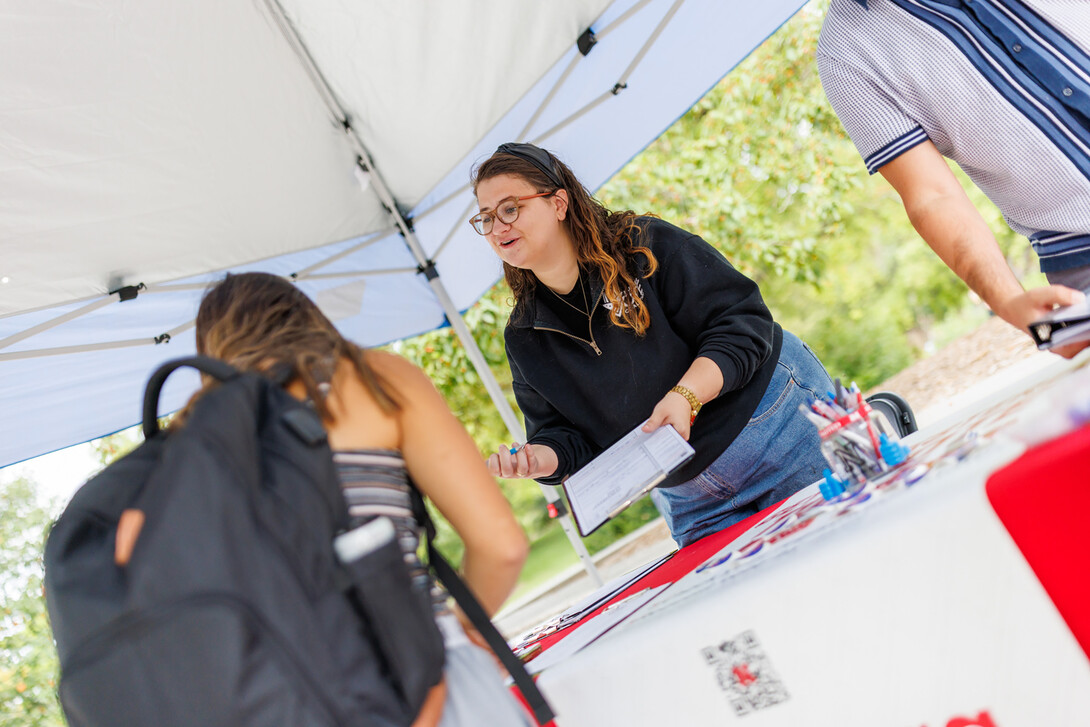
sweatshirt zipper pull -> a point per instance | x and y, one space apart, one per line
595 347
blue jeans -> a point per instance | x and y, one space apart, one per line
776 455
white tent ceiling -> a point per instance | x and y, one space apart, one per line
155 145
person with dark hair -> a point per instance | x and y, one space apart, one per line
390 430
622 319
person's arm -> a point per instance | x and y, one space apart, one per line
445 464
719 311
705 379
948 222
529 461
555 447
712 306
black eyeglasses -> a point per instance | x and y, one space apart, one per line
507 211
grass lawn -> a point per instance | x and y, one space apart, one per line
550 555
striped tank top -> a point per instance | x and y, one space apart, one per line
375 483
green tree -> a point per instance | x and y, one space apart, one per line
28 659
762 169
117 445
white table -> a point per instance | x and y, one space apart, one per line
912 609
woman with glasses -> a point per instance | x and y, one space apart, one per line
621 319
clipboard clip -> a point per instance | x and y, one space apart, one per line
643 491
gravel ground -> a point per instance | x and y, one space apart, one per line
933 383
968 368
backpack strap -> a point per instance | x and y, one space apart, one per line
473 610
149 499
211 366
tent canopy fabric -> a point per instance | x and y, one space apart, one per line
147 148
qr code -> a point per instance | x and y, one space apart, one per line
745 674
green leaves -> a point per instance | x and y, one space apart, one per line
28 661
762 169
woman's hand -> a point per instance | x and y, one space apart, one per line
673 409
432 710
529 461
704 380
477 640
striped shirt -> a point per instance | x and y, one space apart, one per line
1000 88
375 483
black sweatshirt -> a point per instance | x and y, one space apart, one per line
581 389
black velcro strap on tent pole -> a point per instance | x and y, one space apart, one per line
465 599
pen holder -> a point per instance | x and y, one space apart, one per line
856 441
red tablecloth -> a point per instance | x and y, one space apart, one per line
680 563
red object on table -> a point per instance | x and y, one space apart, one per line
1043 499
682 562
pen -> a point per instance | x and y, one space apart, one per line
841 397
816 419
830 401
526 653
866 419
825 410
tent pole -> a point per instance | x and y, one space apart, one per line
369 175
507 414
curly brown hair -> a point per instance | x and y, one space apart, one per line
261 322
606 242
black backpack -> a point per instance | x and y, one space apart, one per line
231 607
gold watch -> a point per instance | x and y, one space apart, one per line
690 397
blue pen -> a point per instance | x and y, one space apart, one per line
834 403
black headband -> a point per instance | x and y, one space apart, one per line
536 156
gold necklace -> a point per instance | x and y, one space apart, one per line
586 309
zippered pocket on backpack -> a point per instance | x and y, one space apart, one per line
209 659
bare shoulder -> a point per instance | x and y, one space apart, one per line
403 375
421 408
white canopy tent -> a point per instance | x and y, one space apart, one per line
148 147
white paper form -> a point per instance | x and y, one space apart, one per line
611 589
614 479
592 630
